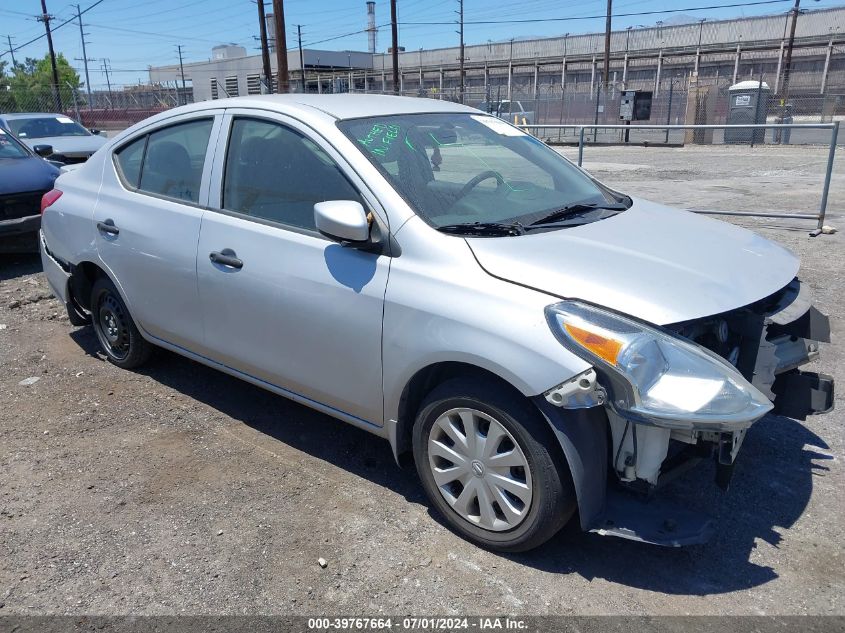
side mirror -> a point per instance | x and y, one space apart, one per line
43 150
342 221
95 132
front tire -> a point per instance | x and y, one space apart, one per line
116 332
488 463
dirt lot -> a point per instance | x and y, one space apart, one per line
181 490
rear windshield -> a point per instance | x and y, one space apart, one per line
44 127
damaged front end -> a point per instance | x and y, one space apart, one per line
676 395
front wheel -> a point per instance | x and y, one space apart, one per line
488 463
116 332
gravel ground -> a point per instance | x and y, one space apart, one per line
179 490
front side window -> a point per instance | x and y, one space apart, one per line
275 173
174 158
466 168
44 127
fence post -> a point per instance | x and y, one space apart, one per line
581 145
830 156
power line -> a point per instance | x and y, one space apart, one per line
617 15
54 29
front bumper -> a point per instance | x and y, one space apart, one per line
18 235
20 226
768 342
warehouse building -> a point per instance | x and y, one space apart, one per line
648 58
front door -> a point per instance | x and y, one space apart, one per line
280 302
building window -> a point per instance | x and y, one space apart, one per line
214 93
232 86
253 84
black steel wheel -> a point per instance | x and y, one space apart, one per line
116 332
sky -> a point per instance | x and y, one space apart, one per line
135 34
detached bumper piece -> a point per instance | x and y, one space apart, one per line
653 520
799 394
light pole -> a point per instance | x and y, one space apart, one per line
562 81
698 48
421 74
510 75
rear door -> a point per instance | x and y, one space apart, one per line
295 310
148 220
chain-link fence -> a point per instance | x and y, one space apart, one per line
675 100
98 109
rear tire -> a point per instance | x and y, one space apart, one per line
116 332
510 496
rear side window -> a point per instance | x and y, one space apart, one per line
129 160
275 173
174 160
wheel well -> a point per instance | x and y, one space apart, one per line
422 383
83 277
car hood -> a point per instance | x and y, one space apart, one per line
22 175
656 263
69 144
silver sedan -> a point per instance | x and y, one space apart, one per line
537 342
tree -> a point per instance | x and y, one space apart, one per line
7 101
31 83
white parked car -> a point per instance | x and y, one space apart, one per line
538 342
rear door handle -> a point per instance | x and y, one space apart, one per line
226 257
108 227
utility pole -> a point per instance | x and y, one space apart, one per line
265 50
281 45
85 59
788 64
606 73
46 17
106 68
181 72
394 34
301 57
461 33
11 50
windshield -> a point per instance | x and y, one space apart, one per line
46 126
9 147
467 168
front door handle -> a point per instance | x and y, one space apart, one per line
226 257
108 227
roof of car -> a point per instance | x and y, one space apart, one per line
340 106
29 115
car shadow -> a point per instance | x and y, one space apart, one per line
18 264
771 487
772 484
296 425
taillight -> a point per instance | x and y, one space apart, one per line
49 198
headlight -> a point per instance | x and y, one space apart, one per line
656 376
